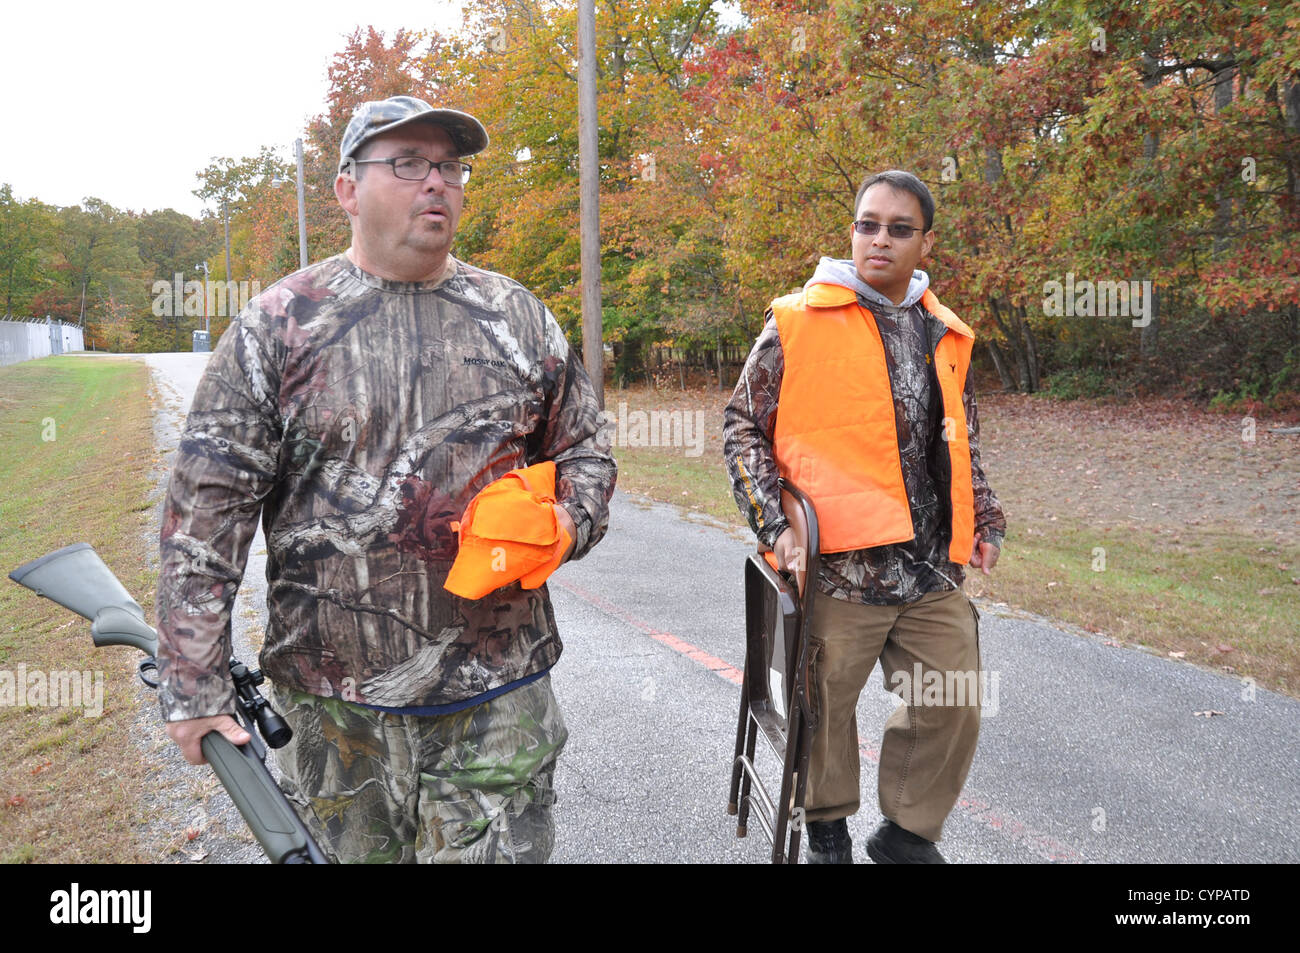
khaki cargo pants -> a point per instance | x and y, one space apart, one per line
475 786
929 654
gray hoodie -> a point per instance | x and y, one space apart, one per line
842 271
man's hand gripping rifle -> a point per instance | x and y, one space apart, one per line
77 579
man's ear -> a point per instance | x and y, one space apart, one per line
345 189
927 242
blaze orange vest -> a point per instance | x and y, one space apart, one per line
509 531
836 436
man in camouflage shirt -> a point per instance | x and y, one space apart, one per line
900 602
359 405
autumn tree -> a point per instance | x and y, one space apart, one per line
26 234
92 259
170 244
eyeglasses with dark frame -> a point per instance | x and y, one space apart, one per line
865 226
416 169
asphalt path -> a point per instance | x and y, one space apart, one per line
1093 753
188 800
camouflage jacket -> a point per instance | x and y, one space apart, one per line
901 572
360 416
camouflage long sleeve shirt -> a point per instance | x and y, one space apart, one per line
360 416
900 572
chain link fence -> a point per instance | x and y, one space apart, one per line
24 339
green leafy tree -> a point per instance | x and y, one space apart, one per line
26 230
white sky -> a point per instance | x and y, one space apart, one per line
127 101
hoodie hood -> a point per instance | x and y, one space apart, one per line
842 272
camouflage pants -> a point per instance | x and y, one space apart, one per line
475 786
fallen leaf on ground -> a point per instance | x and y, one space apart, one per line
1113 643
1210 713
1223 647
1177 654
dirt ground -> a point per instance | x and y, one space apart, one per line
1155 464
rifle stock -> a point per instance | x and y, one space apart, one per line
77 579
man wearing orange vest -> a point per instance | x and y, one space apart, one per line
858 391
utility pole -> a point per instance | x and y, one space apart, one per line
203 265
302 209
225 215
593 351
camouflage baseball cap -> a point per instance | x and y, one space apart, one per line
374 118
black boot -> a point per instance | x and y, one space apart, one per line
890 844
829 842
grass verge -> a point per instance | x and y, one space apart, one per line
1212 597
76 446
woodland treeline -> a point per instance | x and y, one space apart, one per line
1065 141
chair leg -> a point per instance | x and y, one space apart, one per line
751 740
789 773
733 801
801 740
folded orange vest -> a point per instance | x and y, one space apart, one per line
509 532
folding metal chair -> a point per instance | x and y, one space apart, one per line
778 696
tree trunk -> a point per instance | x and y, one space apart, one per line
1031 351
1223 209
1015 331
1000 362
1147 342
1151 331
1290 92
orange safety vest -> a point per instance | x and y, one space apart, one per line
509 532
836 437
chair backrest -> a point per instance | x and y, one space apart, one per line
777 618
772 639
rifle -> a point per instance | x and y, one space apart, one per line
77 579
